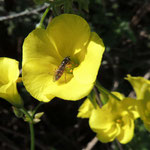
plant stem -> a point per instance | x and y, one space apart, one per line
32 147
43 17
26 113
36 108
101 88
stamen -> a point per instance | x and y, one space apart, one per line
118 121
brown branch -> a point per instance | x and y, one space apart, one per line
91 144
119 145
24 13
140 14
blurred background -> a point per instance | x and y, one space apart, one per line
124 27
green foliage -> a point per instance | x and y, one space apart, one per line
67 6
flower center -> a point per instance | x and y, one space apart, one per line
70 66
119 121
66 65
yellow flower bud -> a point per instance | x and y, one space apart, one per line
8 78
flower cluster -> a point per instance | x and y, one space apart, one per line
114 120
63 61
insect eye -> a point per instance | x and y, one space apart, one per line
68 58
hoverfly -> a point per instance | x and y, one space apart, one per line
61 68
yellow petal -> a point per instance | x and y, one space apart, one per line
102 122
37 45
109 135
12 96
143 108
114 104
127 131
8 77
119 95
69 32
90 62
9 70
100 119
85 109
37 75
74 88
140 85
130 105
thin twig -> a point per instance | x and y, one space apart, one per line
141 12
91 144
147 75
119 145
24 13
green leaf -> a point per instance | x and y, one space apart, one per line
17 112
92 98
83 4
104 97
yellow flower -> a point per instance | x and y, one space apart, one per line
114 120
87 107
142 90
8 78
66 45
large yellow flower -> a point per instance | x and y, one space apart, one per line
142 90
44 51
8 78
